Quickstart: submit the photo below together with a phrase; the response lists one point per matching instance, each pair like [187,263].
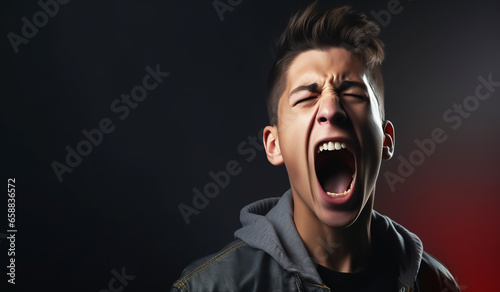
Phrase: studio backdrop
[131,134]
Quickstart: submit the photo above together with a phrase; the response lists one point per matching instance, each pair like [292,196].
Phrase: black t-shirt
[380,275]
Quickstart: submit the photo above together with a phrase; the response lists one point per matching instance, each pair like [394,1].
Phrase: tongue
[338,179]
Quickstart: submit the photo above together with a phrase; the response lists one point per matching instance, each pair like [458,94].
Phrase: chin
[342,214]
[338,219]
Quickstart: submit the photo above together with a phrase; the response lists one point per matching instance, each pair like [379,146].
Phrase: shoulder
[237,266]
[434,276]
[206,269]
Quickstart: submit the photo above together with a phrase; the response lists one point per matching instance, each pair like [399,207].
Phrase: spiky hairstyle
[313,29]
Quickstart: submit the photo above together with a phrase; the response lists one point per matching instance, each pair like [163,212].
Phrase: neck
[342,249]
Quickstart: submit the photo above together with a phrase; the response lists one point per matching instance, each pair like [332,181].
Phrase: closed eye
[356,95]
[305,100]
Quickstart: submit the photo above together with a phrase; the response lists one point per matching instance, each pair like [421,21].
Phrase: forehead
[335,63]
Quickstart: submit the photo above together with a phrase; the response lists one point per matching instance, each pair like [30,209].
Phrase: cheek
[294,129]
[368,128]
[294,138]
[366,121]
[358,115]
[372,149]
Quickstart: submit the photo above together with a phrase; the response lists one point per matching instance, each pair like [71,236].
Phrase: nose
[331,111]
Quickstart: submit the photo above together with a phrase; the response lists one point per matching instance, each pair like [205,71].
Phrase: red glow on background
[452,203]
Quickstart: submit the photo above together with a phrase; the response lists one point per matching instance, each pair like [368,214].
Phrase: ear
[271,143]
[388,148]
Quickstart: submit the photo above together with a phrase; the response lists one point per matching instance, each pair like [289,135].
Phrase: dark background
[119,207]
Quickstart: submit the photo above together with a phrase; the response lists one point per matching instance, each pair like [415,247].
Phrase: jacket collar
[268,225]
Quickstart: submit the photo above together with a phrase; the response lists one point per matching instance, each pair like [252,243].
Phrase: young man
[325,102]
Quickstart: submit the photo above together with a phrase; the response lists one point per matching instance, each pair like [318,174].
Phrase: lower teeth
[338,195]
[341,195]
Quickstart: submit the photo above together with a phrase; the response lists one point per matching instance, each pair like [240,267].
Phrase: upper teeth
[330,146]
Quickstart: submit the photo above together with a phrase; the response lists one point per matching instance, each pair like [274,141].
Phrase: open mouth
[335,168]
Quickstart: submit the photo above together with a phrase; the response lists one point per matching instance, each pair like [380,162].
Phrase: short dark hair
[313,29]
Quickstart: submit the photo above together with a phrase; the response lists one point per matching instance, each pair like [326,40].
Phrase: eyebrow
[348,84]
[313,87]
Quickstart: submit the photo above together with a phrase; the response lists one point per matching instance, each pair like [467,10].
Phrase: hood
[268,225]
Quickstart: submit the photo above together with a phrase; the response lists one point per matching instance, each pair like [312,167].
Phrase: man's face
[330,134]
